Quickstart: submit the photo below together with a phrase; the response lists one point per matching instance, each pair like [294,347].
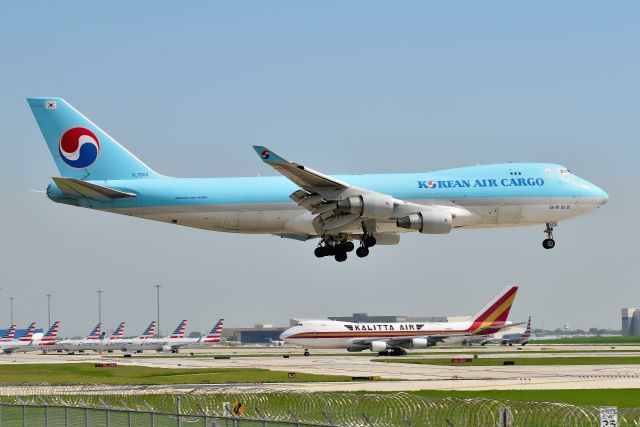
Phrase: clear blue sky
[343,87]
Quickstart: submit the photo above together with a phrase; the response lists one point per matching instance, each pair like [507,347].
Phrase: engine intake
[421,343]
[378,346]
[427,222]
[368,205]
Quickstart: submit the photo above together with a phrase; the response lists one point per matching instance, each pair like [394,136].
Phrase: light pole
[11,299]
[49,309]
[158,300]
[100,291]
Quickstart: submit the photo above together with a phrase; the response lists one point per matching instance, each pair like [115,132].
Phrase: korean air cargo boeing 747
[98,173]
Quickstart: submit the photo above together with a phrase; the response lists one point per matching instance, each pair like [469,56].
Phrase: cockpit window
[564,171]
[298,324]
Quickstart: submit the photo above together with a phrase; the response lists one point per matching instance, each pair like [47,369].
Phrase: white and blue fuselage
[510,194]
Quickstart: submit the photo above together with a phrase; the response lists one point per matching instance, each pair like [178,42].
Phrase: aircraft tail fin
[215,333]
[52,333]
[179,331]
[29,333]
[118,332]
[527,332]
[80,148]
[150,331]
[496,312]
[95,333]
[10,333]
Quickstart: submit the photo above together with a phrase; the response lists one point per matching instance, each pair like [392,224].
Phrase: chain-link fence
[220,407]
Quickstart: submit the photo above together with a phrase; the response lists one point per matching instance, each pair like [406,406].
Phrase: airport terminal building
[631,322]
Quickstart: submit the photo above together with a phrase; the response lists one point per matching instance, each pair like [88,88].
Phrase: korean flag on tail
[50,105]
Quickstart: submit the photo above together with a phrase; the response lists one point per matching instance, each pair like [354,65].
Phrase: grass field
[87,373]
[624,398]
[589,340]
[523,361]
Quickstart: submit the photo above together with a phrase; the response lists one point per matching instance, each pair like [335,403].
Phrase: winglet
[267,155]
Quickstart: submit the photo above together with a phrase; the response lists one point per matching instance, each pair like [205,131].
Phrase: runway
[393,376]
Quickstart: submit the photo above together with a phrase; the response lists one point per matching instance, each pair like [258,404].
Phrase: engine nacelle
[427,222]
[378,346]
[368,205]
[166,349]
[420,343]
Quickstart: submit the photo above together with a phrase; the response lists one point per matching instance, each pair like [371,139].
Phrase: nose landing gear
[549,243]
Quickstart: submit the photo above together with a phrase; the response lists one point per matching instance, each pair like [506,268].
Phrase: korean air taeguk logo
[79,147]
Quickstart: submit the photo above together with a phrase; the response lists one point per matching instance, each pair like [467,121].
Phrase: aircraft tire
[362,251]
[369,241]
[347,246]
[548,243]
[319,252]
[340,256]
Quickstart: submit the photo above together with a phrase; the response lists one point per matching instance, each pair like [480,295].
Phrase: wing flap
[79,188]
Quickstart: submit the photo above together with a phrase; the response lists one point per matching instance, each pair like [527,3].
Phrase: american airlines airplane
[512,338]
[96,341]
[172,343]
[9,334]
[396,337]
[9,346]
[38,342]
[31,341]
[91,342]
[98,173]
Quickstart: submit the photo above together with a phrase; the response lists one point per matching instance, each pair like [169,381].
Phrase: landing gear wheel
[548,243]
[347,246]
[340,256]
[306,352]
[369,241]
[362,251]
[319,252]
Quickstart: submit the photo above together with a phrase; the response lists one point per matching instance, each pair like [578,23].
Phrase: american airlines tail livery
[98,173]
[396,337]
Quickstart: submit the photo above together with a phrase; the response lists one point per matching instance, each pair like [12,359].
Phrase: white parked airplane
[172,343]
[396,337]
[33,341]
[512,338]
[9,334]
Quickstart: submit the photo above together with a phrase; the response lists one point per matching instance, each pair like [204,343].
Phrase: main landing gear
[306,352]
[337,250]
[549,243]
[340,249]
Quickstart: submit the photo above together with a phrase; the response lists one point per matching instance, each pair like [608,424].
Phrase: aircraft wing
[338,206]
[301,175]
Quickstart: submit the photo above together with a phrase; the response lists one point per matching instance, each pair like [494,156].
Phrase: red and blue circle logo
[265,154]
[79,147]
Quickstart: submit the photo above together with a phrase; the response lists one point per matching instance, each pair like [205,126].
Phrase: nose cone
[285,335]
[592,191]
[600,194]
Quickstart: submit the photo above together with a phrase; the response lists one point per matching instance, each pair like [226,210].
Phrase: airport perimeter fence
[223,408]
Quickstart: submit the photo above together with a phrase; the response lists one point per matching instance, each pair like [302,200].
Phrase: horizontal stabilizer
[79,188]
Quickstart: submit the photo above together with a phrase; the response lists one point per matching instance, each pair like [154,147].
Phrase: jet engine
[378,346]
[427,222]
[368,205]
[420,343]
[166,349]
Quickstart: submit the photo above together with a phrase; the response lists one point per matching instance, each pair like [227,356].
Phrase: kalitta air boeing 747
[396,337]
[98,173]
